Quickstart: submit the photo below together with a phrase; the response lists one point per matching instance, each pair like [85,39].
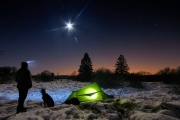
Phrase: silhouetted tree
[105,78]
[85,69]
[169,71]
[73,75]
[178,70]
[37,77]
[165,71]
[7,74]
[47,76]
[143,73]
[121,66]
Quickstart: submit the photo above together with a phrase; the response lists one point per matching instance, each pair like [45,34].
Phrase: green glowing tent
[88,93]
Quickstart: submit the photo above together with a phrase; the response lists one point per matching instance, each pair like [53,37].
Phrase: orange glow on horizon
[132,70]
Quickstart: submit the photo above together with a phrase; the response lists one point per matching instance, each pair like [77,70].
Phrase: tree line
[103,76]
[108,78]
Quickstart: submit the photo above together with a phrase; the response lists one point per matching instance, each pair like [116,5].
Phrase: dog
[48,101]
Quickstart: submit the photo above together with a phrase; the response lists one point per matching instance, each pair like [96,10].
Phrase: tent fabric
[89,93]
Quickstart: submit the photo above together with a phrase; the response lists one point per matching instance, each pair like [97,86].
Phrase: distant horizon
[130,71]
[69,72]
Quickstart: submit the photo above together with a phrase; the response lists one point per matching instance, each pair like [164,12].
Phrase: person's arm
[28,76]
[28,79]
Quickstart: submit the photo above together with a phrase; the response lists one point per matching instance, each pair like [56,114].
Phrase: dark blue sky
[146,32]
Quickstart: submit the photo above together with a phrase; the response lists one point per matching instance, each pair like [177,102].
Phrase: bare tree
[164,71]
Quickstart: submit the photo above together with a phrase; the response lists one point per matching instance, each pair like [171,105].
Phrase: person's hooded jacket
[23,78]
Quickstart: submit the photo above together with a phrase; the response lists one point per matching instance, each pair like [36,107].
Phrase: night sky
[146,32]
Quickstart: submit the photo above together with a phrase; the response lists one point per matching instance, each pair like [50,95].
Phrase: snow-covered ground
[148,103]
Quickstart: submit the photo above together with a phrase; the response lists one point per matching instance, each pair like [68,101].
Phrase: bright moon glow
[69,26]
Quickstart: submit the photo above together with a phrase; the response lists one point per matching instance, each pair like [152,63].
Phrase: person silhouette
[24,83]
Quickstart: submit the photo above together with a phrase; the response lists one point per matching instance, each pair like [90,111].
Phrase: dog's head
[43,90]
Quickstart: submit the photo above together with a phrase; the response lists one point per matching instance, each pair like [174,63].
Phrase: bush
[45,76]
[37,77]
[176,89]
[7,74]
[126,104]
[105,78]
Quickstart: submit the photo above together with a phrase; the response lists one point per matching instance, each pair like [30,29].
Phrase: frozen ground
[148,100]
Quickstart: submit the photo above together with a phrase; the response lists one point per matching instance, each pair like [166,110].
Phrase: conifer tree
[85,69]
[121,66]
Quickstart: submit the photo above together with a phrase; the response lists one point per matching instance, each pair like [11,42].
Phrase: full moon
[69,26]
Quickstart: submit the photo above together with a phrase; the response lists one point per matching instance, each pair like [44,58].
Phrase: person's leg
[20,101]
[22,97]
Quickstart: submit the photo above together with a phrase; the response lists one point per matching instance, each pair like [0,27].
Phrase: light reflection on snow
[59,96]
[60,91]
